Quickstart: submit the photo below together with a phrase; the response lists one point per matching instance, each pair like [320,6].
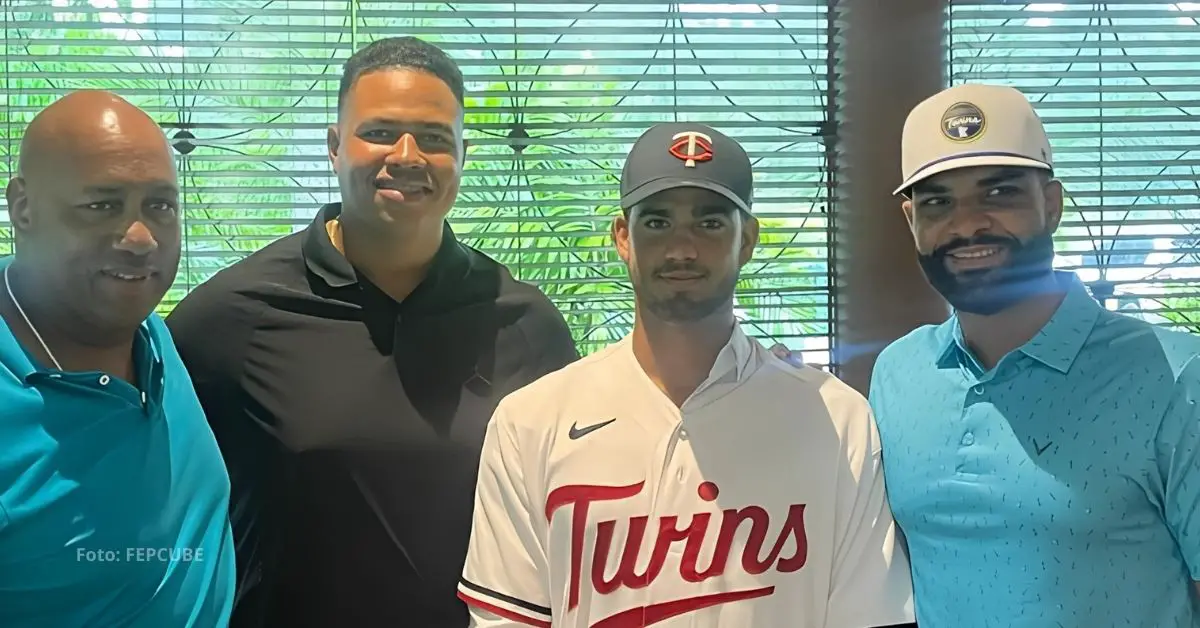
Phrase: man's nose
[967,222]
[137,239]
[682,247]
[406,153]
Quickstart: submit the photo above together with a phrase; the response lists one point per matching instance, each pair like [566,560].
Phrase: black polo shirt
[351,424]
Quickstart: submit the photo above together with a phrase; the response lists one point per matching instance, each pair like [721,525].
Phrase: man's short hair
[401,52]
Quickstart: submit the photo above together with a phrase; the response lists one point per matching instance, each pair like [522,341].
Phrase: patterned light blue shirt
[1060,488]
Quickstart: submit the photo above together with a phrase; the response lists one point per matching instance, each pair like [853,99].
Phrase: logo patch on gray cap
[963,122]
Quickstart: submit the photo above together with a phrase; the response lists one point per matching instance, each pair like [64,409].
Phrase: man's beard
[684,307]
[1028,271]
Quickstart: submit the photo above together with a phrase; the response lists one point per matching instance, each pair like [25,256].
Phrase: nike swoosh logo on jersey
[1041,450]
[579,432]
[642,616]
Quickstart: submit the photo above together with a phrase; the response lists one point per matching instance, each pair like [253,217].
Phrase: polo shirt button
[104,380]
[968,439]
[978,390]
[683,435]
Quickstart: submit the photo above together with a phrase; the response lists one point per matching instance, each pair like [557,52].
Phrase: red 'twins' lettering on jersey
[668,533]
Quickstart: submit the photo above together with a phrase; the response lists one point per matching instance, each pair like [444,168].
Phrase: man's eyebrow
[157,187]
[930,188]
[409,124]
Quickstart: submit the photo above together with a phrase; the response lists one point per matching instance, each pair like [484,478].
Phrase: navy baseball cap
[687,155]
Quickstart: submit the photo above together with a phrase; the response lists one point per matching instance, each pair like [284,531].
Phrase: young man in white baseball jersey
[684,476]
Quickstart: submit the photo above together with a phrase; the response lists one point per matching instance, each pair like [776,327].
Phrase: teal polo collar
[1056,345]
[17,361]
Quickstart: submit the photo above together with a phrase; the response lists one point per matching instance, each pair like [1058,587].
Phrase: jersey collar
[734,362]
[735,357]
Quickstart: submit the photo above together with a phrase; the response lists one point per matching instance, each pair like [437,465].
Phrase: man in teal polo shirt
[113,497]
[1042,454]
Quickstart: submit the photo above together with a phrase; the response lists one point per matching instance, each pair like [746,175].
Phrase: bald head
[95,208]
[83,118]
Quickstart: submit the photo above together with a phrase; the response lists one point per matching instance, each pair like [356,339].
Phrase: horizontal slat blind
[558,91]
[1118,86]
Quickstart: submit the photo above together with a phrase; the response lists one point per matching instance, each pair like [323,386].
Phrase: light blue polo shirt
[1059,489]
[113,500]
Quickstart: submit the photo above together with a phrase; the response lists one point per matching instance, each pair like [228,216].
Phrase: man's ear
[907,208]
[333,143]
[750,233]
[620,236]
[1054,204]
[19,214]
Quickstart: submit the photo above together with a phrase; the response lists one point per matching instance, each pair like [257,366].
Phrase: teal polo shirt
[114,500]
[1059,489]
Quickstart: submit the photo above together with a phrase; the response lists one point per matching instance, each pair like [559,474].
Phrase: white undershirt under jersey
[758,504]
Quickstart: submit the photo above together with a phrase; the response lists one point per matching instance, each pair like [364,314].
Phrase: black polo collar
[451,263]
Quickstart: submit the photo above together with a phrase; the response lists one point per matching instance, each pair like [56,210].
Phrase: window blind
[1118,87]
[557,92]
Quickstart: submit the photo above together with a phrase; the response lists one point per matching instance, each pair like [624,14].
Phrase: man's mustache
[980,240]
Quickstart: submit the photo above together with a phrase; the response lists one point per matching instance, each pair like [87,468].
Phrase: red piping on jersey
[503,612]
[643,616]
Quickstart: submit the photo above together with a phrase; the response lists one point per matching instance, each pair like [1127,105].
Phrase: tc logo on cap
[963,122]
[691,146]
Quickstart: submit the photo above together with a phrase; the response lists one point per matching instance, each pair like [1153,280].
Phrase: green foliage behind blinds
[558,91]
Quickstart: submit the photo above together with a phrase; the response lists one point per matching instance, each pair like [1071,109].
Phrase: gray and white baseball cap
[687,154]
[972,125]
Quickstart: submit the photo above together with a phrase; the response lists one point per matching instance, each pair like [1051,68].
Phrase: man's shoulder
[1179,349]
[1157,350]
[920,346]
[216,318]
[574,383]
[524,295]
[230,290]
[808,394]
[524,307]
[511,293]
[279,262]
[833,392]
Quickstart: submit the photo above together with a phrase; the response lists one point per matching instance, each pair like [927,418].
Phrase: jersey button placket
[680,476]
[681,442]
[666,478]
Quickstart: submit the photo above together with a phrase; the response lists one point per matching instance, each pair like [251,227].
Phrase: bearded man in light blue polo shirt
[114,501]
[1042,454]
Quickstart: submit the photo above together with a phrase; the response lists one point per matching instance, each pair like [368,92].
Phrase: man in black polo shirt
[349,370]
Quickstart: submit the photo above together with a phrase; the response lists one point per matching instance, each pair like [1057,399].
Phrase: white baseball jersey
[760,503]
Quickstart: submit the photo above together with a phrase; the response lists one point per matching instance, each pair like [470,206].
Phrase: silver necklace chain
[12,297]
